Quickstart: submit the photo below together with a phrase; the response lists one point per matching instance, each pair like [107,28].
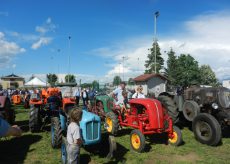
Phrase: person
[138,93]
[125,105]
[117,93]
[7,130]
[73,137]
[77,96]
[85,97]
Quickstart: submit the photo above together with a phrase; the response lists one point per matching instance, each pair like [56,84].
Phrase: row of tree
[182,70]
[53,78]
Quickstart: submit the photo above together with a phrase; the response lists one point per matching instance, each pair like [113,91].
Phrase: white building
[226,83]
[152,83]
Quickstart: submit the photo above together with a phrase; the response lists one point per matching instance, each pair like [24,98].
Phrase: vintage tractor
[90,127]
[100,105]
[41,106]
[5,109]
[147,117]
[207,108]
[16,99]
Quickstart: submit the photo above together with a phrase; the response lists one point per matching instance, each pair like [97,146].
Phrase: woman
[138,93]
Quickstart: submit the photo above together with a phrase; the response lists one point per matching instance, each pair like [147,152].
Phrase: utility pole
[155,39]
[69,60]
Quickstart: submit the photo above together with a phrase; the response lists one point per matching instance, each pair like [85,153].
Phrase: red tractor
[147,117]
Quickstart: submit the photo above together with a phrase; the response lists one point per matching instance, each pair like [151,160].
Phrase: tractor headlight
[215,106]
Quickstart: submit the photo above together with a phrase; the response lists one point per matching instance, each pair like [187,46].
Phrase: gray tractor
[207,108]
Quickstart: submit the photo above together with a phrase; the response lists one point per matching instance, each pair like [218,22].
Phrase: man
[7,130]
[77,96]
[117,93]
[85,97]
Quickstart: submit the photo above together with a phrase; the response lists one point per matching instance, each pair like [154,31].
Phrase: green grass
[35,148]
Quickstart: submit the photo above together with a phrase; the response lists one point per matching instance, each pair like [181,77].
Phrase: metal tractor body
[101,104]
[16,99]
[146,116]
[5,109]
[207,108]
[90,127]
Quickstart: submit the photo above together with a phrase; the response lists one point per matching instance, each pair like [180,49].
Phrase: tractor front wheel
[176,139]
[207,129]
[111,123]
[35,120]
[56,132]
[64,151]
[137,141]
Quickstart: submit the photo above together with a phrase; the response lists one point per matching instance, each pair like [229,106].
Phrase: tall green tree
[171,70]
[51,79]
[150,62]
[130,81]
[95,85]
[188,71]
[116,80]
[208,77]
[70,78]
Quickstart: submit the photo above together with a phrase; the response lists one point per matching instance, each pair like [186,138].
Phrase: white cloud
[48,26]
[8,50]
[206,37]
[42,41]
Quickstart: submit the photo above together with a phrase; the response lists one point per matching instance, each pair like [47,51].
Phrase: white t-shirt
[73,133]
[118,93]
[138,95]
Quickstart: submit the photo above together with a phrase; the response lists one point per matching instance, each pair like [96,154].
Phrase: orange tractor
[16,99]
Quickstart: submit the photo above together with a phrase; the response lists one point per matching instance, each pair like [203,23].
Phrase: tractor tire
[190,110]
[56,132]
[207,129]
[10,113]
[170,106]
[64,155]
[111,122]
[177,137]
[35,120]
[137,141]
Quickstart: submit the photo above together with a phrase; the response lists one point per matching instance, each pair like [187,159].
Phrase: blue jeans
[73,152]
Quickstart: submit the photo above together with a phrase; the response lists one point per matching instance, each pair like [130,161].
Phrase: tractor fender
[166,94]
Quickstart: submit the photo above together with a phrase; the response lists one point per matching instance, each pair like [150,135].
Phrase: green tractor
[101,104]
[207,108]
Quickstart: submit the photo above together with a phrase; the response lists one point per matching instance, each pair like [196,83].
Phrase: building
[12,81]
[153,84]
[226,83]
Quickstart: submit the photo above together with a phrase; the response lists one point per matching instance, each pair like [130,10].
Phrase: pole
[69,60]
[123,68]
[155,45]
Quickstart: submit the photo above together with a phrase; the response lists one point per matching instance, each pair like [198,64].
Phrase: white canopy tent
[35,82]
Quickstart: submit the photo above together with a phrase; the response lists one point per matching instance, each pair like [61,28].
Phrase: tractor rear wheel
[207,129]
[111,122]
[56,132]
[170,106]
[35,120]
[177,137]
[137,141]
[64,151]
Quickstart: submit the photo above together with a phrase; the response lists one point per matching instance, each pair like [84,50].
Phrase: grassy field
[35,148]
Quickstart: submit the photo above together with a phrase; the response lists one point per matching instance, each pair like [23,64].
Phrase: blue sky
[102,31]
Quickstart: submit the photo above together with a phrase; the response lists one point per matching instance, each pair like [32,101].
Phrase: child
[125,104]
[74,137]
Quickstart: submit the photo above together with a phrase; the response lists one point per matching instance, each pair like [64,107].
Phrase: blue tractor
[90,127]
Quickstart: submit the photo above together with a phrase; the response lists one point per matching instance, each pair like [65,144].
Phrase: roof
[12,76]
[35,81]
[146,77]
